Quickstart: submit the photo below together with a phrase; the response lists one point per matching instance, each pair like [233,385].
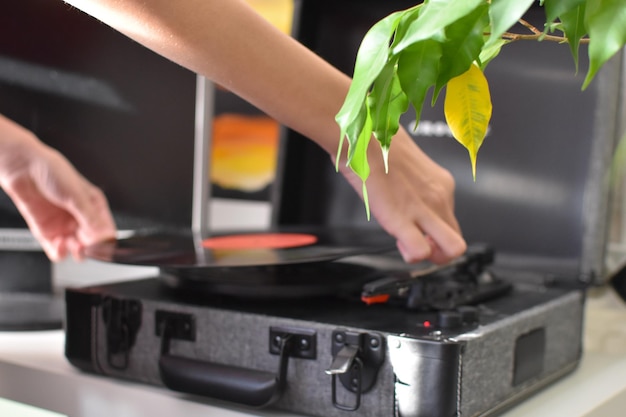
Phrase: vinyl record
[284,246]
[302,280]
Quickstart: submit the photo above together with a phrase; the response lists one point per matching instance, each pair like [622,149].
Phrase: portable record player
[433,349]
[323,318]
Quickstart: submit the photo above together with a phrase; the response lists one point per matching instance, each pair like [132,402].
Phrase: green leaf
[352,132]
[433,18]
[464,41]
[386,103]
[573,24]
[371,59]
[606,23]
[467,108]
[366,200]
[418,69]
[570,15]
[504,14]
[408,17]
[490,52]
[556,8]
[358,162]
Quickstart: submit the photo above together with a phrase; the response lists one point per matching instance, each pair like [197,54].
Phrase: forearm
[232,45]
[229,43]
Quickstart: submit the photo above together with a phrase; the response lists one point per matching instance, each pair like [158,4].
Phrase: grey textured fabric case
[470,370]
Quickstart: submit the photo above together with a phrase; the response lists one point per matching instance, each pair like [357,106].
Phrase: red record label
[260,241]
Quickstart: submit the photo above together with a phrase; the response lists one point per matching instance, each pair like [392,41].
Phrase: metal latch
[122,319]
[357,357]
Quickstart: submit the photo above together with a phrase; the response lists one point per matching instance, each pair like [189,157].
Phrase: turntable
[322,317]
[362,334]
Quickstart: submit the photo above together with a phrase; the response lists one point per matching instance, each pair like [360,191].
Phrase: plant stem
[537,35]
[530,27]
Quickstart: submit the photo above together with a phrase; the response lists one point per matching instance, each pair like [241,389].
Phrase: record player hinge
[303,344]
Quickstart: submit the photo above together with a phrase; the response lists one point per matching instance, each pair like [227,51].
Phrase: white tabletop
[33,370]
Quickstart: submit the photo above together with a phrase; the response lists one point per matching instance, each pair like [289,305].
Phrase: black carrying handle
[229,383]
[224,382]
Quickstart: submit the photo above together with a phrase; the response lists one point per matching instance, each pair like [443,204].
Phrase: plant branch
[537,35]
[530,27]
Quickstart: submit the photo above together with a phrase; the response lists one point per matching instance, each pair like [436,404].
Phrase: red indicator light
[426,323]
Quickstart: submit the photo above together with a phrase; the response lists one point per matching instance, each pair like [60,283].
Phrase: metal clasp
[357,357]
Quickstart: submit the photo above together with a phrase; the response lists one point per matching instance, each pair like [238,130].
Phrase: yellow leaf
[467,108]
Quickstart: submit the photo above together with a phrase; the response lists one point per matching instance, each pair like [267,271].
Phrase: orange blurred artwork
[245,148]
[244,152]
[277,12]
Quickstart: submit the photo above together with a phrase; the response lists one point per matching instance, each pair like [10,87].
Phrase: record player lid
[540,196]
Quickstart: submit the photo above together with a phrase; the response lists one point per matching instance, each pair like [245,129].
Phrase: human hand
[414,202]
[63,210]
[291,83]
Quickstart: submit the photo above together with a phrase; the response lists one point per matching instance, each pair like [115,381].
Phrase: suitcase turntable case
[384,360]
[540,200]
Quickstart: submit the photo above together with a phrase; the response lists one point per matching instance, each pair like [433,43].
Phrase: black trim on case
[81,308]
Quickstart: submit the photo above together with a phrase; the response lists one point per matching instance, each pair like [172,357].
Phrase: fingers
[433,240]
[75,248]
[91,222]
[63,210]
[412,252]
[60,247]
[90,219]
[444,237]
[414,202]
[431,234]
[53,249]
[93,215]
[425,228]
